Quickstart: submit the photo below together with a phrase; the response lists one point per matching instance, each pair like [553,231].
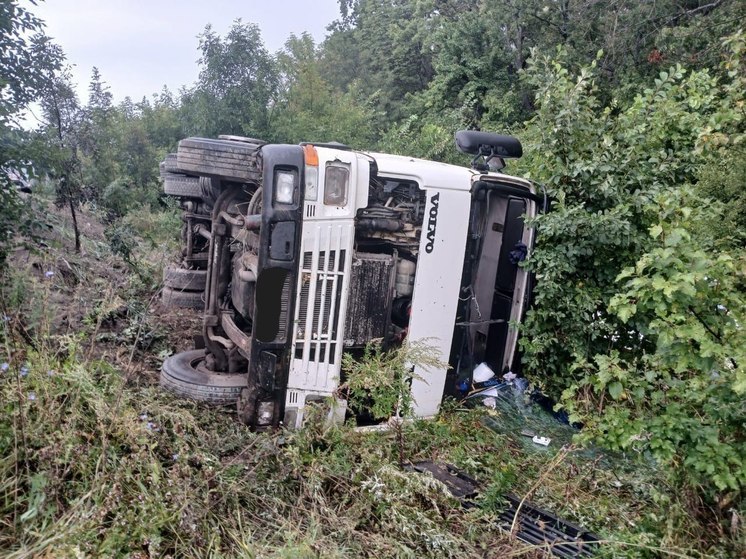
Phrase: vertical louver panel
[321,301]
[284,306]
[318,316]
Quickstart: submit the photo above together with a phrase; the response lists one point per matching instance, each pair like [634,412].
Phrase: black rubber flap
[458,483]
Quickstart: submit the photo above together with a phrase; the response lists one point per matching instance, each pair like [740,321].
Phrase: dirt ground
[98,298]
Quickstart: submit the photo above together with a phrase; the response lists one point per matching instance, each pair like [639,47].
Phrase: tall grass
[96,461]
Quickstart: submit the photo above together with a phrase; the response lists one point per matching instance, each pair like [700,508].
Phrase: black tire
[184,374]
[210,190]
[227,159]
[241,139]
[169,164]
[183,299]
[182,186]
[181,278]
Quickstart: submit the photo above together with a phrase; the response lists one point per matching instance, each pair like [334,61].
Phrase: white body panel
[438,275]
[436,292]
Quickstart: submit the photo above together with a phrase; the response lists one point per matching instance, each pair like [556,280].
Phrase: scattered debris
[527,522]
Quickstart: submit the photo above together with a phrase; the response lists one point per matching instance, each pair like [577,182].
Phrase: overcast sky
[140,45]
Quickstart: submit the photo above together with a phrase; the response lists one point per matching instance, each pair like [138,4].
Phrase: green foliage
[379,381]
[310,109]
[639,314]
[683,400]
[723,178]
[384,49]
[638,322]
[97,135]
[15,216]
[115,466]
[122,241]
[25,60]
[159,225]
[428,138]
[603,167]
[237,84]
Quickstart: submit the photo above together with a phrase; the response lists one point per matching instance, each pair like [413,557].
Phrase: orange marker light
[311,155]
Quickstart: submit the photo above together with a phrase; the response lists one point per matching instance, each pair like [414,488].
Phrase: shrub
[638,321]
[682,401]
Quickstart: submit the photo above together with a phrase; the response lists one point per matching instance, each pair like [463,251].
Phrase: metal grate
[284,307]
[318,316]
[542,528]
[533,525]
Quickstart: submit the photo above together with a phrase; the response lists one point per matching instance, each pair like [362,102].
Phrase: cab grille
[318,315]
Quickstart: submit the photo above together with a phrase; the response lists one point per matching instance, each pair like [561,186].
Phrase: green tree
[383,49]
[310,109]
[638,321]
[236,87]
[25,61]
[61,129]
[682,400]
[96,137]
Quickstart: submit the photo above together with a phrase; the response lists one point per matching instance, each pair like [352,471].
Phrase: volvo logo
[432,223]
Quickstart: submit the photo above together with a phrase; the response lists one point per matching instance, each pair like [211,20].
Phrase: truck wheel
[241,139]
[182,186]
[210,190]
[184,299]
[181,278]
[169,164]
[227,159]
[185,375]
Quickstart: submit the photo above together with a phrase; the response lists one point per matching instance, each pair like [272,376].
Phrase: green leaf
[625,312]
[616,389]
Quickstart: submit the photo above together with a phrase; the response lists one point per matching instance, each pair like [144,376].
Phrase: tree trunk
[74,215]
[68,168]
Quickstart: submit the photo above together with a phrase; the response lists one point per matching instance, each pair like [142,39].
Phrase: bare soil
[96,294]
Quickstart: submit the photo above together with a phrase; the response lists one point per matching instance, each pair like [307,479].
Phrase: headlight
[335,184]
[284,187]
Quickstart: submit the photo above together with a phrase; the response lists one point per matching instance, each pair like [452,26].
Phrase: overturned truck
[303,252]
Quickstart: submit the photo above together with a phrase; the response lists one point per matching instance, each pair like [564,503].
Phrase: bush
[641,335]
[682,402]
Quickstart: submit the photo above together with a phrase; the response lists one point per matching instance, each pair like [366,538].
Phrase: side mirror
[490,146]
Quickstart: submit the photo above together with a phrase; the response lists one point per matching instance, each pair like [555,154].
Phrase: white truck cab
[329,249]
